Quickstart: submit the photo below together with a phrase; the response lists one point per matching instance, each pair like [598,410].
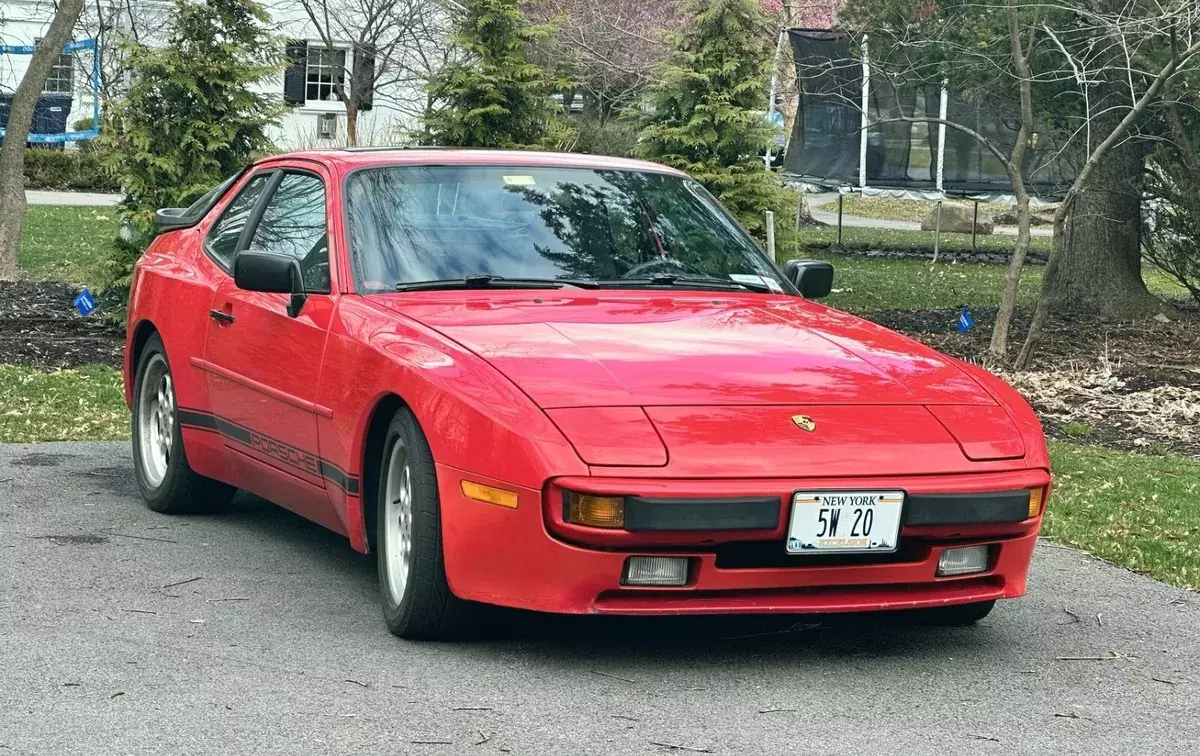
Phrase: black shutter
[293,77]
[362,81]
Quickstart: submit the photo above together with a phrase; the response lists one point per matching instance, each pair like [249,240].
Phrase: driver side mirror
[269,272]
[814,278]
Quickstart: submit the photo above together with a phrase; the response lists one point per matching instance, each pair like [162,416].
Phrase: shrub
[492,95]
[1172,237]
[77,170]
[611,137]
[706,111]
[192,117]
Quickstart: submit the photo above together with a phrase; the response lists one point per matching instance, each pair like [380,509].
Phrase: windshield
[412,224]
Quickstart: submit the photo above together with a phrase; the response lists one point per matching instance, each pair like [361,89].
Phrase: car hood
[580,349]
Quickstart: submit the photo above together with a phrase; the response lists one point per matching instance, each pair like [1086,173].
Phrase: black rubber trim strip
[280,451]
[745,513]
[966,509]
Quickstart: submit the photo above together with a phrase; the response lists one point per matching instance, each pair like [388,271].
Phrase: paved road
[830,218]
[40,197]
[279,648]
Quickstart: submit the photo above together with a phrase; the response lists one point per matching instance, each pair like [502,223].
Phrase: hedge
[77,170]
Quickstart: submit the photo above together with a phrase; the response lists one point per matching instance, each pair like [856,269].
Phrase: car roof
[357,157]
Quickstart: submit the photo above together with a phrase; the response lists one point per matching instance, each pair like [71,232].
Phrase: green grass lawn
[872,283]
[1140,511]
[857,238]
[61,243]
[84,404]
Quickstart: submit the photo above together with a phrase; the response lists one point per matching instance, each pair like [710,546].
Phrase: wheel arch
[373,439]
[142,333]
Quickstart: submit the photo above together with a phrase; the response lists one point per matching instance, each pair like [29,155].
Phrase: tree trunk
[1016,160]
[12,154]
[1100,268]
[351,124]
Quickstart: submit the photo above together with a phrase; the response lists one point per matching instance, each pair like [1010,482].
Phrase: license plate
[844,521]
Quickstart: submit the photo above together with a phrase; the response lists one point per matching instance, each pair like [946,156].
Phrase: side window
[223,238]
[293,224]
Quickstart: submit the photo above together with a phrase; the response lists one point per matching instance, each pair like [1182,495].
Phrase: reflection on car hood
[571,349]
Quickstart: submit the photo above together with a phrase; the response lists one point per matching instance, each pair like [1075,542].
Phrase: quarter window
[223,239]
[293,224]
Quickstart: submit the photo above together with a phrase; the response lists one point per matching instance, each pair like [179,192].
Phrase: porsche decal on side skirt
[283,453]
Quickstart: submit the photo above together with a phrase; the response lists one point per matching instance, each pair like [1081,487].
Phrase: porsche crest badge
[804,422]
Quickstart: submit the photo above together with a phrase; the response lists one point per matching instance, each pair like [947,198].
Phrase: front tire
[166,481]
[417,601]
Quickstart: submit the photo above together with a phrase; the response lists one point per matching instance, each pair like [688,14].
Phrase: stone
[956,219]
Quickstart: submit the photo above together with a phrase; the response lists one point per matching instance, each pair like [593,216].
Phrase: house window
[62,75]
[325,67]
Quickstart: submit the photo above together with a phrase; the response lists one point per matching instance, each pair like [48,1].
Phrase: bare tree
[992,62]
[112,22]
[1154,45]
[608,47]
[388,50]
[12,153]
[1063,60]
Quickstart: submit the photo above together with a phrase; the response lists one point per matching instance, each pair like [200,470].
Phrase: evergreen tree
[706,111]
[492,95]
[191,117]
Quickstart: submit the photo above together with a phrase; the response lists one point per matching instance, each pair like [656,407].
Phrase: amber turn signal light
[596,511]
[489,495]
[1035,501]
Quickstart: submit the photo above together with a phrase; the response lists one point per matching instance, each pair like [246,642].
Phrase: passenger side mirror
[814,278]
[170,218]
[269,272]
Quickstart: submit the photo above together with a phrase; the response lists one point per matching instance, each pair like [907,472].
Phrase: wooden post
[974,223]
[840,197]
[771,235]
[937,231]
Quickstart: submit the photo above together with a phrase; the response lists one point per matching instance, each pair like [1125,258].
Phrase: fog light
[963,561]
[648,570]
[597,511]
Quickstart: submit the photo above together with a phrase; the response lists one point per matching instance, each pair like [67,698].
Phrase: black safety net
[901,154]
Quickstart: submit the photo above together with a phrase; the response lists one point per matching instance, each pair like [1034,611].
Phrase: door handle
[221,315]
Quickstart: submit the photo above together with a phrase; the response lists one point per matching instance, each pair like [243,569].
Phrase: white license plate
[844,521]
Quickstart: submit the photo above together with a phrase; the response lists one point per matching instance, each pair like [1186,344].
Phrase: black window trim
[244,243]
[260,207]
[251,221]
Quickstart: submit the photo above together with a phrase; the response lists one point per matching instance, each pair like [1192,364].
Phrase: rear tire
[417,601]
[166,481]
[959,615]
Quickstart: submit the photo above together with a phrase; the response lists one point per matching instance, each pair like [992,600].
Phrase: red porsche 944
[566,384]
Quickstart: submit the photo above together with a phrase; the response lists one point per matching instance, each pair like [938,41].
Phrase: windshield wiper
[702,282]
[488,281]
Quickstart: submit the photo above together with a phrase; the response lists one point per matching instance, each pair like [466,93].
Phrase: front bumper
[510,557]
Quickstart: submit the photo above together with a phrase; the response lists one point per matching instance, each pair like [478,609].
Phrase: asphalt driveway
[123,631]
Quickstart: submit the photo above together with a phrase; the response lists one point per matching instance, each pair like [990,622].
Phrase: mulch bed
[40,328]
[1125,385]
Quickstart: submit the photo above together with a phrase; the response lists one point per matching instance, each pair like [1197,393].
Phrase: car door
[263,366]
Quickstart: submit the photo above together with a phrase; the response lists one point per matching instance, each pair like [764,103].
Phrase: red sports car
[566,384]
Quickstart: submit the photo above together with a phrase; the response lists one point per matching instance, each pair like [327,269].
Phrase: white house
[391,106]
